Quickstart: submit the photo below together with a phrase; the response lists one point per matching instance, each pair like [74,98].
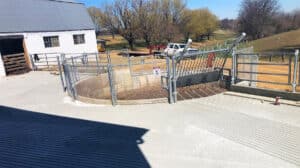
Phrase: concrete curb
[262,98]
[121,102]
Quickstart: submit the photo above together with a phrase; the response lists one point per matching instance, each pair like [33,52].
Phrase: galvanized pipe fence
[192,68]
[119,76]
[174,72]
[275,68]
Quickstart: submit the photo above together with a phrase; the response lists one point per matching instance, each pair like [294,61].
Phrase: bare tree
[228,24]
[123,19]
[95,14]
[108,21]
[171,13]
[148,19]
[287,21]
[256,17]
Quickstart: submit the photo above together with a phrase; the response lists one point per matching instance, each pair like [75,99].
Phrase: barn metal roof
[43,16]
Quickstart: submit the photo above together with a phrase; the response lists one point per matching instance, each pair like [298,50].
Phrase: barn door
[12,51]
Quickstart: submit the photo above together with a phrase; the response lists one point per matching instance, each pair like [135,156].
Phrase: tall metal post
[71,89]
[111,81]
[46,56]
[129,62]
[60,73]
[233,71]
[97,63]
[174,79]
[295,71]
[290,70]
[169,82]
[72,60]
[251,70]
[298,72]
[32,62]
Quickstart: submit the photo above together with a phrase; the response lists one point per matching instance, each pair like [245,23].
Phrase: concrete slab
[217,131]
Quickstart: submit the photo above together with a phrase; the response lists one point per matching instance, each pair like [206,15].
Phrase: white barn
[42,26]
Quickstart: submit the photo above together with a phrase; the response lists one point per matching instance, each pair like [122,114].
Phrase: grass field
[288,40]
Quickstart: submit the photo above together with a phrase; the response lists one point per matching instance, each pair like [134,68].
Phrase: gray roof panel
[43,16]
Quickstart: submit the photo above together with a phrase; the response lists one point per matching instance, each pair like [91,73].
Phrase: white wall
[2,68]
[35,42]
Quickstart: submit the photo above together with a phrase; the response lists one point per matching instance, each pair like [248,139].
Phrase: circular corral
[130,89]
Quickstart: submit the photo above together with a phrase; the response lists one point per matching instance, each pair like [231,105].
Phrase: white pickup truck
[176,48]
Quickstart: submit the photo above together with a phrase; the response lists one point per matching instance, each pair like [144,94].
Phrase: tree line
[154,21]
[261,18]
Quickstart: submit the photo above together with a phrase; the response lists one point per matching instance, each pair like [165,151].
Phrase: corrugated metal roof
[43,16]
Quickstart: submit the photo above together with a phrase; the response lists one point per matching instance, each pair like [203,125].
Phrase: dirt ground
[142,87]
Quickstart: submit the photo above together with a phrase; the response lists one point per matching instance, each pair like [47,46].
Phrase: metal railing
[281,65]
[81,67]
[98,77]
[48,61]
[191,68]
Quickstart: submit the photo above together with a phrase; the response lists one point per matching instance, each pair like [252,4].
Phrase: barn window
[51,41]
[78,39]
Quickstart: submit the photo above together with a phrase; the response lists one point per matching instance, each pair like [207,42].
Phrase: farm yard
[219,39]
[237,132]
[149,83]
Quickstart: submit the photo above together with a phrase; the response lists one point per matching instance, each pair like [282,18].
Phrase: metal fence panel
[275,68]
[247,68]
[100,78]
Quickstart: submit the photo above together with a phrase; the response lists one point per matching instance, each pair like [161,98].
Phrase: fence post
[295,70]
[111,81]
[74,70]
[60,73]
[32,63]
[129,62]
[70,87]
[233,67]
[46,56]
[97,63]
[290,70]
[251,70]
[169,82]
[299,72]
[174,80]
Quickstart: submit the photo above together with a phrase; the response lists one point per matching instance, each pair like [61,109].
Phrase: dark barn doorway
[12,52]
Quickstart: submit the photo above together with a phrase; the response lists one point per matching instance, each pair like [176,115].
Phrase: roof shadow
[35,140]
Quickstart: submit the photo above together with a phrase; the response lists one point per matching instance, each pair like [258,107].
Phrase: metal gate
[270,69]
[191,68]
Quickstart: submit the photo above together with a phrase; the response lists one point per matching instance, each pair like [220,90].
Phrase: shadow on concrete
[30,139]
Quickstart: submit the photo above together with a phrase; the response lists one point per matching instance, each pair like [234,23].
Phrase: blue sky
[222,8]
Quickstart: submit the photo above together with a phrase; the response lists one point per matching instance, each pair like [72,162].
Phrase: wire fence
[117,76]
[187,69]
[95,76]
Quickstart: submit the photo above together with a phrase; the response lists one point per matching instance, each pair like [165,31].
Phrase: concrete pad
[217,131]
